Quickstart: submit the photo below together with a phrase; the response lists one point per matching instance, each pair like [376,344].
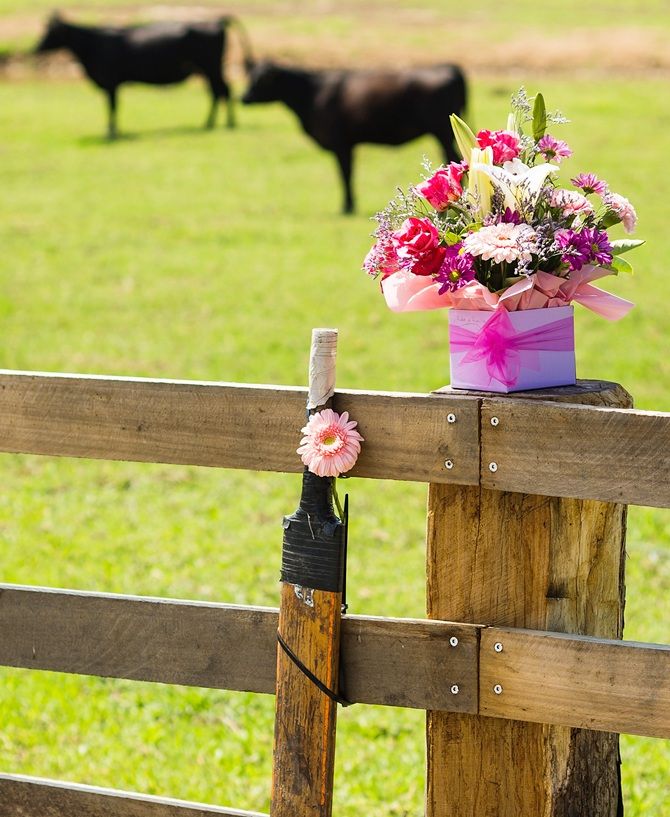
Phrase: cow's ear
[249,64]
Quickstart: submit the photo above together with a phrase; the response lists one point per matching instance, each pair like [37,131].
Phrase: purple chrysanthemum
[553,149]
[590,183]
[584,247]
[457,270]
[508,216]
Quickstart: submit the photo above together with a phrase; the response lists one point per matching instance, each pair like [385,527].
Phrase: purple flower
[590,183]
[601,249]
[506,217]
[584,247]
[457,269]
[553,149]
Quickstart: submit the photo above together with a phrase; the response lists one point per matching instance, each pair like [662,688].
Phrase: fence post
[536,562]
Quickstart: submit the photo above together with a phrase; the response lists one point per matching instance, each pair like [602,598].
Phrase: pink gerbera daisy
[553,149]
[331,445]
[590,183]
[502,242]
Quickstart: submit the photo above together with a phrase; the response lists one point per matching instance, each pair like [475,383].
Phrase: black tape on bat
[313,553]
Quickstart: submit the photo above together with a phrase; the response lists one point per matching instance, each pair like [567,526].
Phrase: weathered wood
[22,796]
[395,662]
[303,760]
[521,560]
[601,453]
[228,425]
[576,681]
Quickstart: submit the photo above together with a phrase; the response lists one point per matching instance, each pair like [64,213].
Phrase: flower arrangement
[496,232]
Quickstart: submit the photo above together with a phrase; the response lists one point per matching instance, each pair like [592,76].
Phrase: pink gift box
[505,351]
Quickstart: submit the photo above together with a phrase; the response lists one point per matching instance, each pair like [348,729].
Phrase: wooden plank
[395,662]
[522,560]
[407,436]
[617,686]
[22,796]
[611,454]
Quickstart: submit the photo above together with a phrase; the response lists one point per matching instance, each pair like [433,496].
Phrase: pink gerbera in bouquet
[498,233]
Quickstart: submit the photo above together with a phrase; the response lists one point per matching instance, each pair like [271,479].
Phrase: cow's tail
[245,42]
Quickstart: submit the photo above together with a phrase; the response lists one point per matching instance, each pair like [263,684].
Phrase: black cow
[340,109]
[155,53]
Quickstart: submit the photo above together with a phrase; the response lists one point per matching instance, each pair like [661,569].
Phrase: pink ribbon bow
[499,345]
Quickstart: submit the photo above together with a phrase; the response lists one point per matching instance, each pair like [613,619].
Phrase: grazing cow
[155,53]
[340,109]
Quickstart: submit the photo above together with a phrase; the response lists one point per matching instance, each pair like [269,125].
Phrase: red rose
[416,237]
[430,263]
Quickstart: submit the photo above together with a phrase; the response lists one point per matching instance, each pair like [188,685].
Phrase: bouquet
[497,230]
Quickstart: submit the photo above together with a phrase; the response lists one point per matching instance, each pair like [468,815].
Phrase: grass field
[179,253]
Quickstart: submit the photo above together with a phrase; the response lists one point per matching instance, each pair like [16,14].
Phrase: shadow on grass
[156,133]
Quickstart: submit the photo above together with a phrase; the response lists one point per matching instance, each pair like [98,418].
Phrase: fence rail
[546,677]
[35,797]
[565,449]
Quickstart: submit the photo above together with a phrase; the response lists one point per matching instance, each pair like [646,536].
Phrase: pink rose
[443,187]
[505,144]
[416,237]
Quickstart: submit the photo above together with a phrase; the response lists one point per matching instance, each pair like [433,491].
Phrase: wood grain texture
[601,453]
[407,436]
[303,757]
[522,560]
[22,796]
[395,662]
[576,681]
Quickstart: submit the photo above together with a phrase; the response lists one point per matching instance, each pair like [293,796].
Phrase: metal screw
[498,647]
[451,418]
[453,641]
[448,464]
[493,467]
[494,421]
[454,689]
[497,689]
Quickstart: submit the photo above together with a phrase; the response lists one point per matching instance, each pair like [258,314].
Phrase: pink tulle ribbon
[498,345]
[405,292]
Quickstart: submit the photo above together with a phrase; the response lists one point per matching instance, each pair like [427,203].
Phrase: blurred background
[179,252]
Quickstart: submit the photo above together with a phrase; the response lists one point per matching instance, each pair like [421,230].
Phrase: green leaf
[465,138]
[621,265]
[451,238]
[622,245]
[539,117]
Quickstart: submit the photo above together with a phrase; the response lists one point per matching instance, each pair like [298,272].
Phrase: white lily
[520,184]
[481,162]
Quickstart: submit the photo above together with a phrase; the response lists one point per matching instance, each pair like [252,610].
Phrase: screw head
[448,464]
[453,641]
[497,689]
[454,689]
[494,421]
[451,418]
[498,647]
[493,467]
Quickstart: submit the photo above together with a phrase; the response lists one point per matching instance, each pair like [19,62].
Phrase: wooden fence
[500,444]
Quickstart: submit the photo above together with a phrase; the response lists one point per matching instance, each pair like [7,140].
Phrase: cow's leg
[111,99]
[446,139]
[220,90]
[345,160]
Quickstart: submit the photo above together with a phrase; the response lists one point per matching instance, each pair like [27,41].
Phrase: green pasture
[211,255]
